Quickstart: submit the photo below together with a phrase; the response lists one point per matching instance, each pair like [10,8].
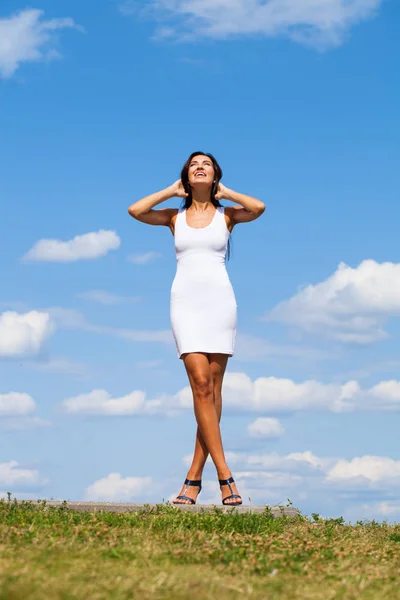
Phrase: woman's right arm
[142,210]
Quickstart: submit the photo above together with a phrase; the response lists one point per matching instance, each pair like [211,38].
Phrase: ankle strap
[226,481]
[192,482]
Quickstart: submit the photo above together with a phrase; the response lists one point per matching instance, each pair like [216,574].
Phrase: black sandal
[188,483]
[224,501]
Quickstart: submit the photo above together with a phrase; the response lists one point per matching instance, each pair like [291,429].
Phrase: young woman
[203,305]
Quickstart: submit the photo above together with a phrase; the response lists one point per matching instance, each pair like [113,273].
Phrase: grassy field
[53,554]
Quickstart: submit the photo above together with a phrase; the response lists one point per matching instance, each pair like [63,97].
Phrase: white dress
[203,304]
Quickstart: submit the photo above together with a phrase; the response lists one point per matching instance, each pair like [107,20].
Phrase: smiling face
[201,172]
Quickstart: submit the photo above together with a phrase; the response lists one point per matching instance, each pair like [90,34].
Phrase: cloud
[351,306]
[388,392]
[16,412]
[107,298]
[144,259]
[82,247]
[100,402]
[241,394]
[271,394]
[16,404]
[115,488]
[319,24]
[265,428]
[13,476]
[23,334]
[27,37]
[366,471]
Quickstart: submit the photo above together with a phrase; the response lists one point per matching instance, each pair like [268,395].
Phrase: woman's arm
[142,210]
[250,208]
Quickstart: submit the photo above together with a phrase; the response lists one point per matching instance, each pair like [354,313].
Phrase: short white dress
[203,304]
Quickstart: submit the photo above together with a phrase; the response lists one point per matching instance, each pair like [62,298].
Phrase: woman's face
[201,172]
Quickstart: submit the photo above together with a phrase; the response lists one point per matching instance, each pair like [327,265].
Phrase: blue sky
[101,103]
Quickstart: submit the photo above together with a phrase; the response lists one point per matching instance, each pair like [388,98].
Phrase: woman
[203,305]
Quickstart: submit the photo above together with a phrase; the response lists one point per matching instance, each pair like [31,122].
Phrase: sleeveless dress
[203,304]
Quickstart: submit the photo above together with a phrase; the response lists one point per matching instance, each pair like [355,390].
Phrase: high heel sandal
[228,482]
[189,483]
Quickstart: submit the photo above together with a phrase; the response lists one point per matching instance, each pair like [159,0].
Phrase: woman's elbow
[133,211]
[260,208]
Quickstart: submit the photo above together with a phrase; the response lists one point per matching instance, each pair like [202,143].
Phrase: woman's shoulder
[174,212]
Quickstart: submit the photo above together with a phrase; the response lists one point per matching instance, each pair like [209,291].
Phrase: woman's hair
[217,178]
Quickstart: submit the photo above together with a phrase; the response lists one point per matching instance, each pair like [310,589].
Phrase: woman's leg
[206,373]
[217,364]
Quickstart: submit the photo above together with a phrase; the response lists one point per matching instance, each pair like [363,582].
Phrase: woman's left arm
[249,209]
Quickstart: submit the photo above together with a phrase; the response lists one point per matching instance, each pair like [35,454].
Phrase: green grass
[56,554]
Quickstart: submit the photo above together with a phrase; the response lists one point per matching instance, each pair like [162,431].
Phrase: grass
[55,554]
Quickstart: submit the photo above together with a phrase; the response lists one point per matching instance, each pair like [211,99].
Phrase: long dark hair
[217,178]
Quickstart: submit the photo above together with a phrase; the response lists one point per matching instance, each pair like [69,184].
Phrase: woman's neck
[201,199]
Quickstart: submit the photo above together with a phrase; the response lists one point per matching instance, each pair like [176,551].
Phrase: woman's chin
[200,185]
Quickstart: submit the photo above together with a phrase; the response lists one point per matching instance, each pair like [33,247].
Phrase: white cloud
[265,428]
[16,404]
[23,334]
[115,488]
[16,412]
[12,475]
[27,37]
[99,402]
[144,259]
[82,247]
[351,306]
[366,471]
[270,394]
[107,298]
[241,394]
[387,391]
[320,24]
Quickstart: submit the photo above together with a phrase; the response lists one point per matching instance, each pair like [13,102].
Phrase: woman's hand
[178,190]
[223,192]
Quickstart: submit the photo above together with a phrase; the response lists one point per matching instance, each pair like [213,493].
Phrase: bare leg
[217,364]
[206,373]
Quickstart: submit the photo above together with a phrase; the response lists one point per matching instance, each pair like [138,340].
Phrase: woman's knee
[202,386]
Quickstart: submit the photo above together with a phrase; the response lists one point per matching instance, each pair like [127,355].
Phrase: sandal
[228,482]
[189,483]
